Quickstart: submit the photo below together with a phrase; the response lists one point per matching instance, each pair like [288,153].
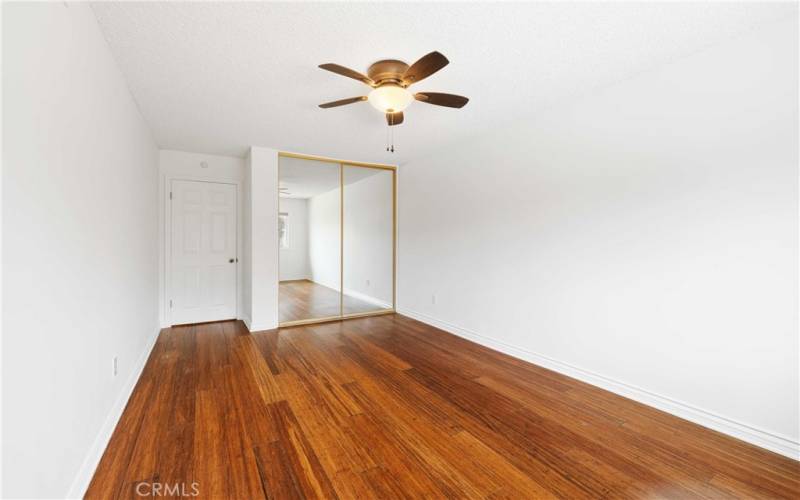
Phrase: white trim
[92,460]
[258,328]
[332,286]
[354,294]
[367,298]
[759,437]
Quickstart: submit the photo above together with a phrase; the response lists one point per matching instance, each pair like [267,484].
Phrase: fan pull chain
[390,134]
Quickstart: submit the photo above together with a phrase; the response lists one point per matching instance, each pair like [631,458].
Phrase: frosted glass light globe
[390,98]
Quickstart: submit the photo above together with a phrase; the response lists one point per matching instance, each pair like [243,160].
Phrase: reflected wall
[336,232]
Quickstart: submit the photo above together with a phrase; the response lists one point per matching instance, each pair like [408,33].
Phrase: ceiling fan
[390,79]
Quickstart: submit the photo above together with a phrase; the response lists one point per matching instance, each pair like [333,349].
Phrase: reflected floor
[305,299]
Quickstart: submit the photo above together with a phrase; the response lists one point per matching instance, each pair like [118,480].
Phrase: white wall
[80,251]
[261,239]
[245,256]
[324,236]
[368,227]
[294,260]
[644,238]
[174,165]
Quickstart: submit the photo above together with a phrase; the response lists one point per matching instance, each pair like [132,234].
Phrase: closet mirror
[336,232]
[309,237]
[368,237]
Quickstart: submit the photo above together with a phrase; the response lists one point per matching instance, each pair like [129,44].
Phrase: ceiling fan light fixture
[390,98]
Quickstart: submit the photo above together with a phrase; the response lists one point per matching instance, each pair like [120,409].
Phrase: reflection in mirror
[368,239]
[309,232]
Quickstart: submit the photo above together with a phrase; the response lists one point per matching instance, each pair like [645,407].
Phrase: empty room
[373,250]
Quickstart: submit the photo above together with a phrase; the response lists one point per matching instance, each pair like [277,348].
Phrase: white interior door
[203,256]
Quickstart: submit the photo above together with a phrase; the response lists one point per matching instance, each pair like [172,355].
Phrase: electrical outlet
[114,367]
[433,299]
[367,282]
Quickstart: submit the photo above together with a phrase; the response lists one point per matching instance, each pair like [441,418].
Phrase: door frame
[342,164]
[168,179]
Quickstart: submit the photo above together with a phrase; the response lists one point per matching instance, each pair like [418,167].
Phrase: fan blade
[341,70]
[425,67]
[342,102]
[394,118]
[440,99]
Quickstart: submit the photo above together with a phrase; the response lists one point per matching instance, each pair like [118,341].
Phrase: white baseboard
[332,286]
[251,327]
[90,463]
[367,298]
[246,322]
[356,295]
[759,437]
[294,278]
[261,328]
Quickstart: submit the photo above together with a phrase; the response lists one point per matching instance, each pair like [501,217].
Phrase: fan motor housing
[387,71]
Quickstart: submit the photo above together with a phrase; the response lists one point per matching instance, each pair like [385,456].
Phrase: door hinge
[170,303]
[170,195]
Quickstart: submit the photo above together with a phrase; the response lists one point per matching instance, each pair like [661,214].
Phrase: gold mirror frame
[342,164]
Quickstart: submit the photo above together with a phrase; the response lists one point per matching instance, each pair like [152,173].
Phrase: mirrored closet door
[368,237]
[336,232]
[309,237]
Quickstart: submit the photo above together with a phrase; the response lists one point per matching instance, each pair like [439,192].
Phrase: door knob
[230,261]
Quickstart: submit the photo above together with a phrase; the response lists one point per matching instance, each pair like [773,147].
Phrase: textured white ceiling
[304,178]
[307,178]
[219,77]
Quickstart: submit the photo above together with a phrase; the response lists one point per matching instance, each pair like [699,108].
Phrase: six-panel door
[204,257]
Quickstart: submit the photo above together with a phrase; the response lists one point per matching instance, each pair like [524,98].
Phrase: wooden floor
[304,299]
[387,407]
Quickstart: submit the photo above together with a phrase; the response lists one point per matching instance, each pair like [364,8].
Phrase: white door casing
[203,251]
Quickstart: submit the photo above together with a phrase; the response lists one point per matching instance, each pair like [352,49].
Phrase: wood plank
[388,407]
[304,299]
